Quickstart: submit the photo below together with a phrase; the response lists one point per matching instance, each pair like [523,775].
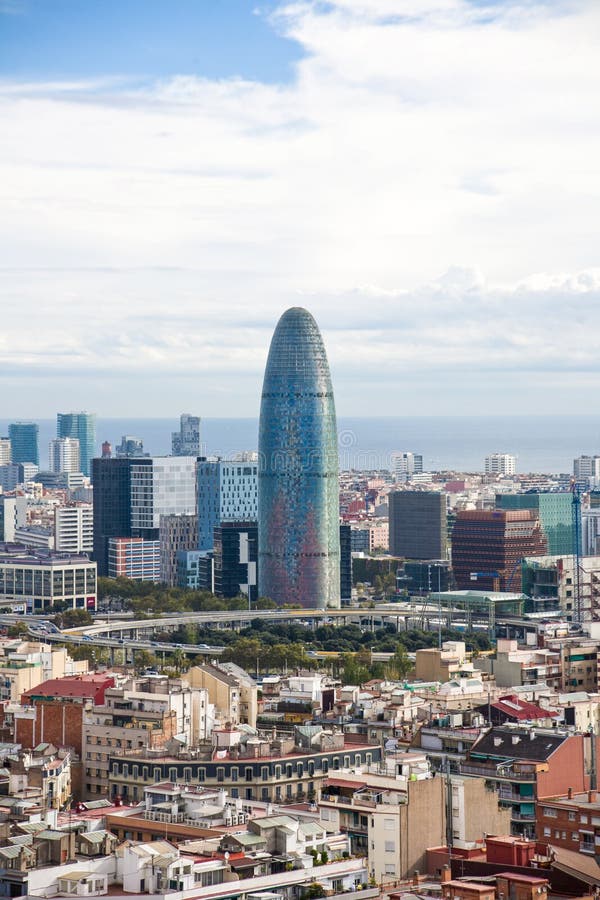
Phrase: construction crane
[576,519]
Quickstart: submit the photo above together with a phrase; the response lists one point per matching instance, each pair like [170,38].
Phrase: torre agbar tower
[298,495]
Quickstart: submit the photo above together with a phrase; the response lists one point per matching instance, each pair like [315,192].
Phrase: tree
[17,629]
[179,660]
[400,662]
[72,618]
[265,603]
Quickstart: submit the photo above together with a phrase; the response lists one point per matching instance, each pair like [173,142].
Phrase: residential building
[590,531]
[74,528]
[555,511]
[227,492]
[586,470]
[13,514]
[177,533]
[186,441]
[144,714]
[34,537]
[224,693]
[417,524]
[298,493]
[236,560]
[130,446]
[528,764]
[41,579]
[512,665]
[23,438]
[488,546]
[570,820]
[406,464]
[553,581]
[276,768]
[5,451]
[500,464]
[63,455]
[82,426]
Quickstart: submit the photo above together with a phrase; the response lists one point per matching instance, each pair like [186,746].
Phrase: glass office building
[83,427]
[298,499]
[24,442]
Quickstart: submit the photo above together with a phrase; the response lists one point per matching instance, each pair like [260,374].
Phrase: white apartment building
[63,455]
[500,464]
[5,451]
[405,464]
[227,491]
[74,528]
[587,468]
[13,515]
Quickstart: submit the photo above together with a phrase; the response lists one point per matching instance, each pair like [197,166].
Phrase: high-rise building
[136,558]
[13,515]
[129,446]
[418,528]
[5,451]
[63,454]
[345,564]
[23,438]
[406,464]
[227,492]
[83,427]
[235,559]
[298,497]
[587,469]
[186,441]
[177,533]
[555,510]
[130,495]
[74,528]
[500,464]
[489,545]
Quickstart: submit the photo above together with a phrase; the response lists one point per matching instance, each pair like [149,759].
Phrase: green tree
[18,628]
[400,662]
[72,618]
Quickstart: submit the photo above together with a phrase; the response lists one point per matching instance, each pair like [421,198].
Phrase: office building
[407,464]
[177,533]
[298,497]
[74,528]
[590,531]
[235,560]
[41,579]
[135,558]
[11,475]
[345,565]
[63,455]
[227,492]
[417,524]
[130,496]
[13,515]
[555,511]
[112,506]
[83,427]
[23,438]
[186,441]
[5,451]
[488,547]
[129,446]
[195,570]
[500,464]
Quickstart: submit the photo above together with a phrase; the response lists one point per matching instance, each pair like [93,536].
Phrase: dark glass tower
[298,499]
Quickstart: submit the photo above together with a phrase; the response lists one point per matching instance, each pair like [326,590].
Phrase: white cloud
[171,223]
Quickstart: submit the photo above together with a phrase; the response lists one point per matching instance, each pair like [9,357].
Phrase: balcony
[348,801]
[517,816]
[494,772]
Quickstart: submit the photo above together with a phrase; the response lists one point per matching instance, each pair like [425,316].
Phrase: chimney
[446,873]
[592,796]
[570,793]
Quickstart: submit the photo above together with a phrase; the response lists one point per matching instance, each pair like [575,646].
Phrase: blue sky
[64,39]
[423,175]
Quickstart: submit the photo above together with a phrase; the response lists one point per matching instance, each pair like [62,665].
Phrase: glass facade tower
[24,442]
[83,427]
[298,497]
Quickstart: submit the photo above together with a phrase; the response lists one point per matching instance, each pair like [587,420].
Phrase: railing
[348,801]
[495,773]
[522,817]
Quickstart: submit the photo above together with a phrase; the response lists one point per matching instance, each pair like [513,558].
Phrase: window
[220,773]
[390,847]
[388,824]
[390,869]
[248,775]
[572,817]
[550,812]
[547,831]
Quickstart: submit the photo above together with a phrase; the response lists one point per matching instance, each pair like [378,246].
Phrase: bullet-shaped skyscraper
[298,499]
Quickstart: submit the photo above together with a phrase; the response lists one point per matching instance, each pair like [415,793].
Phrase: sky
[422,175]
